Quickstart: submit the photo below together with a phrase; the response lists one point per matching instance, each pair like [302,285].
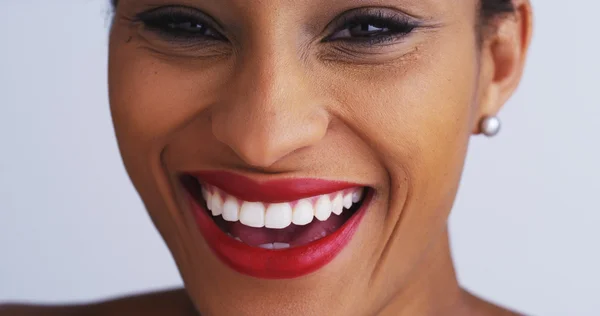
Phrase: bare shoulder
[172,302]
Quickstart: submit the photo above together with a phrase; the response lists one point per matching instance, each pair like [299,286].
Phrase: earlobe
[503,59]
[489,103]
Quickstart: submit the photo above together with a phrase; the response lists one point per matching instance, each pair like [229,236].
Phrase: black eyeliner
[398,25]
[159,19]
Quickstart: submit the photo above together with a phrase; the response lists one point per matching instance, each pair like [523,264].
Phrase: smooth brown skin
[278,103]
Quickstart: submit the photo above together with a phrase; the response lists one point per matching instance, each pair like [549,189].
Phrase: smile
[278,229]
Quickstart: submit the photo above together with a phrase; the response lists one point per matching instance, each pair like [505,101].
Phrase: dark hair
[490,9]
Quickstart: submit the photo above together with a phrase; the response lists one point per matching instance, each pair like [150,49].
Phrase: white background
[524,229]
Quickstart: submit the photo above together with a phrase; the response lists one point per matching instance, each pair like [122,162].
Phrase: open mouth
[282,230]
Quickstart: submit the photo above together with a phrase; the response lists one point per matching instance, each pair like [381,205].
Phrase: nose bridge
[270,111]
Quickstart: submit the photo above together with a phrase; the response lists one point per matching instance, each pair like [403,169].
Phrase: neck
[432,288]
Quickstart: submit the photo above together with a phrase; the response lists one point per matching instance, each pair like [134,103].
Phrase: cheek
[416,116]
[150,98]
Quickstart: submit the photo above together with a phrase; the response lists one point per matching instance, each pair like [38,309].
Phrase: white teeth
[231,210]
[280,245]
[266,246]
[253,214]
[348,201]
[357,195]
[279,216]
[207,198]
[337,205]
[323,208]
[216,204]
[275,245]
[303,213]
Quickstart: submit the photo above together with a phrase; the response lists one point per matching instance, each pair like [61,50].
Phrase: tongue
[293,235]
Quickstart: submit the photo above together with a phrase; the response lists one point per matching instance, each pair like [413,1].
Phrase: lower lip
[276,264]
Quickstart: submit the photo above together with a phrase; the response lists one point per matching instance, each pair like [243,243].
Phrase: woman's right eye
[180,23]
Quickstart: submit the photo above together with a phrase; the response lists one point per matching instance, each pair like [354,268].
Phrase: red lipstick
[268,263]
[273,191]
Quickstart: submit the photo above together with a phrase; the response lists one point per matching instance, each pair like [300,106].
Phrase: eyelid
[342,20]
[192,12]
[394,18]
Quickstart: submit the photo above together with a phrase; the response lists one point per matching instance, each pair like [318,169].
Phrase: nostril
[263,130]
[262,146]
[258,156]
[251,149]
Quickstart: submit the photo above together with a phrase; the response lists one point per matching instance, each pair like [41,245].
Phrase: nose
[270,109]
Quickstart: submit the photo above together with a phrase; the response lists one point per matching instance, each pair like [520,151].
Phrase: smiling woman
[302,157]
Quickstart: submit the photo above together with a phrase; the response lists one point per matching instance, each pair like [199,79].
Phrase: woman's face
[378,94]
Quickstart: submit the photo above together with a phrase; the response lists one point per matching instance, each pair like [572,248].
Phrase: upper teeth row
[279,215]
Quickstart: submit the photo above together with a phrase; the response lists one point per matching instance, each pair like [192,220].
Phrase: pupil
[186,26]
[367,29]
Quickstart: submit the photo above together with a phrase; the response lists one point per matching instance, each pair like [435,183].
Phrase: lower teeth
[275,245]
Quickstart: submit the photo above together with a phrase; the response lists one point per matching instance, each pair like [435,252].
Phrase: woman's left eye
[371,27]
[362,30]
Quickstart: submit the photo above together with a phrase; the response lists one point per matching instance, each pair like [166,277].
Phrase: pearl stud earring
[490,126]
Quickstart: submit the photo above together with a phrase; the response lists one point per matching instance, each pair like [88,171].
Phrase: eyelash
[164,20]
[397,27]
[169,22]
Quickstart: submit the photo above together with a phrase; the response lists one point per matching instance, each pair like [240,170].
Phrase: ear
[503,53]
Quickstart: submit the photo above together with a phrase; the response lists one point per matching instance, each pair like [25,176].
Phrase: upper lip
[270,191]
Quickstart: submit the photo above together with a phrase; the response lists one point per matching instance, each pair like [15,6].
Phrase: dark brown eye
[191,27]
[179,22]
[362,30]
[372,25]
